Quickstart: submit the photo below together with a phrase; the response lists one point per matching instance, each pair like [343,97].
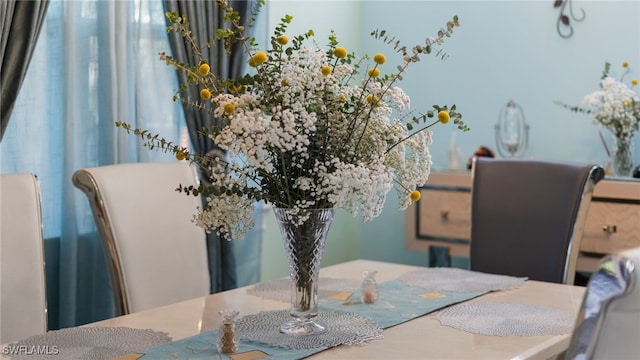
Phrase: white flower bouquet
[615,106]
[307,128]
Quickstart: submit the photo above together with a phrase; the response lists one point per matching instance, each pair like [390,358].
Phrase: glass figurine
[369,287]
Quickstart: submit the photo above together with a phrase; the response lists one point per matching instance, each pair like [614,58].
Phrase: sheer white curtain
[96,62]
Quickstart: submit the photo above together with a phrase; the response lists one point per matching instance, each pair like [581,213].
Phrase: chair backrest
[155,253]
[608,323]
[23,306]
[527,216]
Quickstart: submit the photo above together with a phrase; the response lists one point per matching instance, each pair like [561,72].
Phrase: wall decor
[512,131]
[563,25]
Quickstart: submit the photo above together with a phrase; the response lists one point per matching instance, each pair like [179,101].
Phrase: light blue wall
[503,50]
[511,50]
[506,50]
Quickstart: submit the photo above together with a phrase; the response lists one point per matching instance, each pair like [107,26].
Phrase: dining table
[431,333]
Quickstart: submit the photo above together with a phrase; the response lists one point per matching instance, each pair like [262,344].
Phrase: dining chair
[23,304]
[527,216]
[608,323]
[156,255]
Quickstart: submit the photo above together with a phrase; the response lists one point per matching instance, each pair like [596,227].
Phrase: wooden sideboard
[443,218]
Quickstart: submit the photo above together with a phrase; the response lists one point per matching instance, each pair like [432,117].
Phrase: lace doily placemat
[280,289]
[459,280]
[343,328]
[504,319]
[87,343]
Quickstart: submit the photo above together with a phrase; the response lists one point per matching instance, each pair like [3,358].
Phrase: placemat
[85,343]
[343,328]
[506,319]
[459,280]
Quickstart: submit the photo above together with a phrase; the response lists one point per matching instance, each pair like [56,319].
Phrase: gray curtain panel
[205,18]
[20,22]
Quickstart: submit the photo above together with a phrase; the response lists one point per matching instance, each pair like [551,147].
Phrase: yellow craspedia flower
[379,58]
[229,108]
[284,82]
[374,72]
[372,99]
[204,69]
[415,195]
[180,155]
[634,82]
[343,98]
[282,40]
[443,117]
[340,52]
[258,58]
[205,94]
[626,102]
[625,64]
[326,70]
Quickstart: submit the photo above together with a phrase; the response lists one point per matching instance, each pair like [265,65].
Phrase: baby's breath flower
[614,106]
[379,58]
[283,40]
[204,69]
[443,116]
[341,136]
[374,72]
[340,52]
[205,94]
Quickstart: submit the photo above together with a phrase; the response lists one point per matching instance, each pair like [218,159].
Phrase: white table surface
[421,338]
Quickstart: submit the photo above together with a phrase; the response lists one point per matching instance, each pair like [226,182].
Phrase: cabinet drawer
[442,217]
[445,215]
[611,227]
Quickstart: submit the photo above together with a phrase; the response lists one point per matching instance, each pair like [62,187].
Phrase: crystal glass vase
[622,159]
[304,234]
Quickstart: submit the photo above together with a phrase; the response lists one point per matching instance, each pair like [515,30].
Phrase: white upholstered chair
[155,253]
[23,306]
[527,216]
[608,323]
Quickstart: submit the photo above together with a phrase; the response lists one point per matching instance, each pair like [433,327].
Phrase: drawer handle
[444,214]
[609,229]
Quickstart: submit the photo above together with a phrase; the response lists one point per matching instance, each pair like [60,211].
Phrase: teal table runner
[396,304]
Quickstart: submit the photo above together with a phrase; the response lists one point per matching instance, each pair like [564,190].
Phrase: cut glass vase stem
[304,234]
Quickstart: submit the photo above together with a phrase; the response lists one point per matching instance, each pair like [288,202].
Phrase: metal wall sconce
[512,132]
